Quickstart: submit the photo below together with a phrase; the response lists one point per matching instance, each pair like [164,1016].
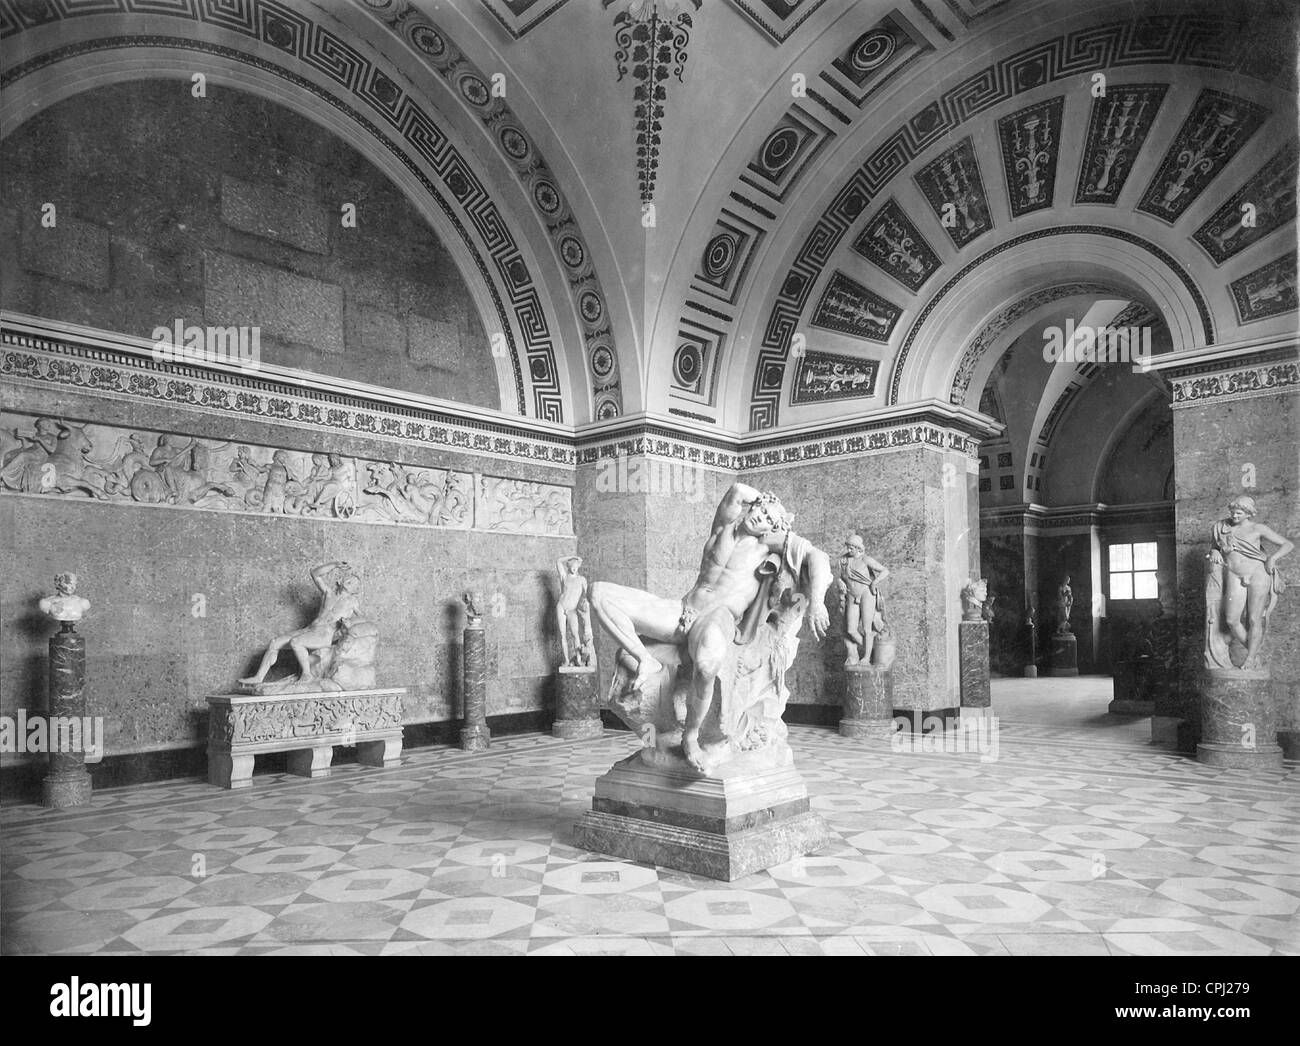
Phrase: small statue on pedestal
[65,606]
[336,651]
[473,616]
[1064,607]
[861,600]
[573,612]
[1241,586]
[974,595]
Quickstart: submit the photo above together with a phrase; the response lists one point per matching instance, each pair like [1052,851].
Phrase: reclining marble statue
[336,651]
[702,678]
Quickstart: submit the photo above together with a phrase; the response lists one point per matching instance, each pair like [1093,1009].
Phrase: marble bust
[1241,588]
[65,605]
[974,594]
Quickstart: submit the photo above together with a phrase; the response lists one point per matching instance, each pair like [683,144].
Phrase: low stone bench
[307,726]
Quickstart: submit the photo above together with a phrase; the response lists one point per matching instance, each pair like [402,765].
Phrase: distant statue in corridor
[1242,584]
[1064,607]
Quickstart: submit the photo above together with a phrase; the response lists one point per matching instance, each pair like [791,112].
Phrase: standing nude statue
[573,611]
[1242,585]
[749,541]
[339,584]
[1064,607]
[860,600]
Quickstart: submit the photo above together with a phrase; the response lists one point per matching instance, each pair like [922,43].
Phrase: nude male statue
[860,576]
[339,584]
[750,534]
[1244,578]
[573,611]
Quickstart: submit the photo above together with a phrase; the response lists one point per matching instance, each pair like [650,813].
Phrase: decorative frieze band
[1241,383]
[1267,367]
[27,357]
[59,458]
[746,454]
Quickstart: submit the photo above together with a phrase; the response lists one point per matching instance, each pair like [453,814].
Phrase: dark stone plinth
[68,783]
[1238,720]
[1289,742]
[868,702]
[577,704]
[475,736]
[973,651]
[1135,683]
[1064,656]
[719,827]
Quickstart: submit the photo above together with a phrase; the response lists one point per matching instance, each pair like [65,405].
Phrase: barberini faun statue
[702,678]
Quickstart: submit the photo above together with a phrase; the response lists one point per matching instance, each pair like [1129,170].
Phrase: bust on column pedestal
[67,783]
[1242,583]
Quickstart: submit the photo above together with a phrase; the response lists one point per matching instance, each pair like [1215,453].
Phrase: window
[1133,571]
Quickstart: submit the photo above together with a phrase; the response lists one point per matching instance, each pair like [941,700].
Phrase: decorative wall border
[1152,41]
[522,156]
[292,32]
[52,457]
[52,361]
[1240,383]
[921,428]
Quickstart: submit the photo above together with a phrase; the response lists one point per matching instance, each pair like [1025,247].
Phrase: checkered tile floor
[1072,842]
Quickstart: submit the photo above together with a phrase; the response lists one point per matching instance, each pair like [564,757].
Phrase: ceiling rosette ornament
[651,38]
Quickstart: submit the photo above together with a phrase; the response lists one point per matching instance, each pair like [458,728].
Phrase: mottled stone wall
[151,661]
[228,211]
[911,511]
[1218,444]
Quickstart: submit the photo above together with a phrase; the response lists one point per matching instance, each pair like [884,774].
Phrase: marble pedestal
[1134,684]
[307,726]
[1064,657]
[723,827]
[577,704]
[973,651]
[67,783]
[868,702]
[475,735]
[1238,720]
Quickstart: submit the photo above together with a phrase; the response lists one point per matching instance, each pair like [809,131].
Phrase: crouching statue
[336,651]
[702,679]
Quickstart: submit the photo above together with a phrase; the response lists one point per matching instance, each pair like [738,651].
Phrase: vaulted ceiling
[747,214]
